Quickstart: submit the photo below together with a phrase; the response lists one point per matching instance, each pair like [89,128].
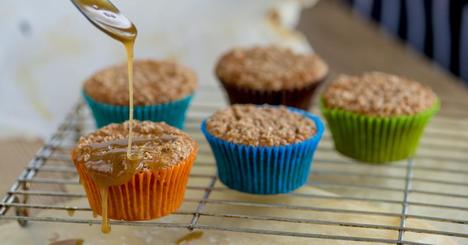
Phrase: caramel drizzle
[110,166]
[129,49]
[108,19]
[105,227]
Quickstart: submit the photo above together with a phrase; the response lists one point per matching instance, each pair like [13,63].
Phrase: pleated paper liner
[148,195]
[300,98]
[377,139]
[173,113]
[263,169]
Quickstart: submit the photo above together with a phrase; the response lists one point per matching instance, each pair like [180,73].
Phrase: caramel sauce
[129,49]
[68,242]
[105,227]
[189,237]
[121,165]
[109,165]
[71,211]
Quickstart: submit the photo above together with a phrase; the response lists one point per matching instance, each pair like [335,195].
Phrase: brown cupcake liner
[148,195]
[300,98]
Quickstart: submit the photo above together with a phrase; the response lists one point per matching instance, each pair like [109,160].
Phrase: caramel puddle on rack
[108,19]
[189,237]
[71,211]
[68,242]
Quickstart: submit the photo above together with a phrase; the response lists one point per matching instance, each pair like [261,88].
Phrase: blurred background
[436,28]
[47,48]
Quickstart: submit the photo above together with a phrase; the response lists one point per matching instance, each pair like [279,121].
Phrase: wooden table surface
[348,44]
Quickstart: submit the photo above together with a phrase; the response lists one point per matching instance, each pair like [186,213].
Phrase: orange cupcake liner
[148,195]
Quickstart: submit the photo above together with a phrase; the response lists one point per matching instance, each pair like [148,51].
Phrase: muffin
[263,149]
[270,75]
[143,188]
[377,117]
[162,92]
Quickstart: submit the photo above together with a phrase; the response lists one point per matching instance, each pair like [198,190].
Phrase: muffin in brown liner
[300,98]
[270,75]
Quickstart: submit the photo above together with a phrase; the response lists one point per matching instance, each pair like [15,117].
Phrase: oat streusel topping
[155,82]
[260,125]
[159,144]
[378,94]
[270,68]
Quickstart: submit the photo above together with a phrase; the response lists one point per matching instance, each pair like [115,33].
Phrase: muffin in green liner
[163,91]
[377,117]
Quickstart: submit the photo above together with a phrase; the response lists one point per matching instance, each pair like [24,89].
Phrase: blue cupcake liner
[265,169]
[173,113]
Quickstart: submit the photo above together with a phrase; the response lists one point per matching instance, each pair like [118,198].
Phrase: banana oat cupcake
[270,75]
[162,92]
[377,117]
[146,187]
[263,149]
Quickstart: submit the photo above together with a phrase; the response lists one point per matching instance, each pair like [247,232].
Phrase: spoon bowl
[105,16]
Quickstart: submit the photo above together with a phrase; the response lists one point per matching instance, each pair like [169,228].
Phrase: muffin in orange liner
[150,187]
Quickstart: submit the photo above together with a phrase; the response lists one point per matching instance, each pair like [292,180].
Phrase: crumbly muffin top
[270,68]
[158,144]
[378,94]
[260,125]
[154,82]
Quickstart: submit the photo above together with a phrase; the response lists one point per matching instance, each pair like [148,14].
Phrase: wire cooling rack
[432,188]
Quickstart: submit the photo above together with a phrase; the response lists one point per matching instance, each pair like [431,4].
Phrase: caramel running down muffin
[263,149]
[377,117]
[163,91]
[378,94]
[270,75]
[260,126]
[149,186]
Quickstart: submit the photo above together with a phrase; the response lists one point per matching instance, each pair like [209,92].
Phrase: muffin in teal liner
[162,92]
[173,113]
[377,117]
[263,149]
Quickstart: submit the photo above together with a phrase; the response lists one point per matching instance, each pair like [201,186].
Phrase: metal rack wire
[431,188]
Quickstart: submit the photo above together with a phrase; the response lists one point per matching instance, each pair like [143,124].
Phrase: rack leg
[22,211]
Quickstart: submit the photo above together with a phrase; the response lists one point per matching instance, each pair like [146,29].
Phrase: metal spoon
[105,16]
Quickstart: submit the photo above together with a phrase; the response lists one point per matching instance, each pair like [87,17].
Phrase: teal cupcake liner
[173,113]
[375,139]
[262,169]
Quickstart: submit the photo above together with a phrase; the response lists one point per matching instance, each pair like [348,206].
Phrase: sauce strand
[129,49]
[105,227]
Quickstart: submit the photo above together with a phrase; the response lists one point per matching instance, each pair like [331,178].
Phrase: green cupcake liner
[377,139]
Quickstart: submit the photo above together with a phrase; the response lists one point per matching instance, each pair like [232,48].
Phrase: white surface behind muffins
[48,54]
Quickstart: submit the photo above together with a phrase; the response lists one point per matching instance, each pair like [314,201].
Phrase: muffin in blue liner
[162,90]
[173,113]
[265,169]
